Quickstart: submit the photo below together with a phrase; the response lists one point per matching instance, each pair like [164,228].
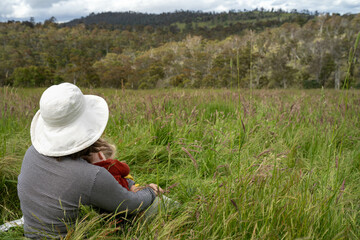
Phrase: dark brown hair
[99,146]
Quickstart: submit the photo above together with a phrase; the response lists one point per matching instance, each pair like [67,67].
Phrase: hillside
[193,18]
[215,50]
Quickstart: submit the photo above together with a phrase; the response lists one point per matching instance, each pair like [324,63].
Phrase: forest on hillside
[235,20]
[272,50]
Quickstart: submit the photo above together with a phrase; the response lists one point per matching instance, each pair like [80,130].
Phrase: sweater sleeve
[108,194]
[130,182]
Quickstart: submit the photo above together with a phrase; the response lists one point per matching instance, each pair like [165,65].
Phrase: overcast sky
[65,10]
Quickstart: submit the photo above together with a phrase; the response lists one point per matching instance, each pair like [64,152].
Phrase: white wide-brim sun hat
[68,121]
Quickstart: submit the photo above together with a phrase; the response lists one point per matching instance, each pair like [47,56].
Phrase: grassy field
[264,164]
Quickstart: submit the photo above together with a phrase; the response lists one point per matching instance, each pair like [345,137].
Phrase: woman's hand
[134,188]
[158,190]
[153,186]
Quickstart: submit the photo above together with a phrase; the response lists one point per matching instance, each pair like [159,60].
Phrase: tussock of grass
[245,165]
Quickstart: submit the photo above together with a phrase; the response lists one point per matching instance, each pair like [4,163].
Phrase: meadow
[244,164]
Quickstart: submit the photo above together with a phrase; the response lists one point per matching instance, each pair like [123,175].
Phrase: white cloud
[65,10]
[22,9]
[6,8]
[42,3]
[16,9]
[10,8]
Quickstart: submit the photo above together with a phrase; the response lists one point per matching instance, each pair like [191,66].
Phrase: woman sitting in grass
[55,179]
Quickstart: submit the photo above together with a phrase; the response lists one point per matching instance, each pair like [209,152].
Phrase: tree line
[122,20]
[297,53]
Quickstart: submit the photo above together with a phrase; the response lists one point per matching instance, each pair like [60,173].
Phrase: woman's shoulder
[75,168]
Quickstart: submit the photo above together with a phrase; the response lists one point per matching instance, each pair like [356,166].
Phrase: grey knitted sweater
[51,190]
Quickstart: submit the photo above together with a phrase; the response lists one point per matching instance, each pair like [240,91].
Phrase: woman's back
[50,191]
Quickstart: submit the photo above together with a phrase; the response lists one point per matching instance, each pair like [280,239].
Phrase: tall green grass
[278,165]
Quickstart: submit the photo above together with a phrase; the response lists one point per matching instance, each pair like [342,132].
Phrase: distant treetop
[131,18]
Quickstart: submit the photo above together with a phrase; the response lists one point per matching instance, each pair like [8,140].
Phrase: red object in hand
[118,169]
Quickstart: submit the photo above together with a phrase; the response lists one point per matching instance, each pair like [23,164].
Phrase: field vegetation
[244,164]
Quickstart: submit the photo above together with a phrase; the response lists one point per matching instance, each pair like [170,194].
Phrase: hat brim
[74,137]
